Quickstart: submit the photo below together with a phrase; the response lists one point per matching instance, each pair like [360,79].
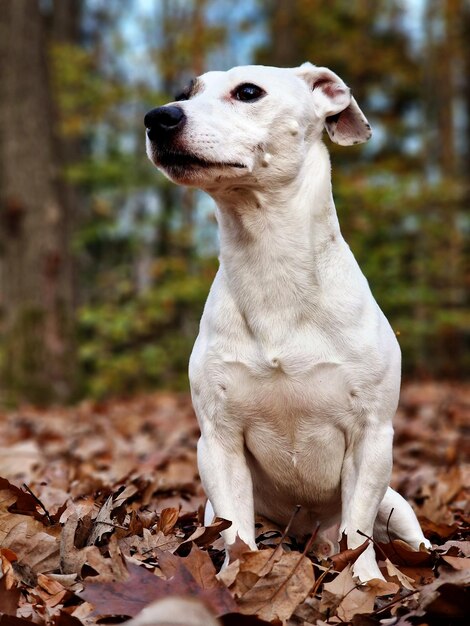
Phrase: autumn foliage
[101,516]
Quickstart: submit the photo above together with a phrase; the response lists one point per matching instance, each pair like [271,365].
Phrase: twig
[289,523]
[288,527]
[374,542]
[320,579]
[388,523]
[392,602]
[39,503]
[110,524]
[165,543]
[400,559]
[309,543]
[296,566]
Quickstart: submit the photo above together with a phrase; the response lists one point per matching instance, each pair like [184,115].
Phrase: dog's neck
[275,243]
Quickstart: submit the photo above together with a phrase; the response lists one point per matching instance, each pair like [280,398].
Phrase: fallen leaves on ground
[101,515]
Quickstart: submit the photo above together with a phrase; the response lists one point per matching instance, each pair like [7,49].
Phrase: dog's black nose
[163,120]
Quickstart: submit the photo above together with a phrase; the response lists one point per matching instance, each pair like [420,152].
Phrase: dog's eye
[181,96]
[187,92]
[247,92]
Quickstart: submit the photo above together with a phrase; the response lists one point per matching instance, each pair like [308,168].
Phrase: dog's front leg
[365,477]
[227,481]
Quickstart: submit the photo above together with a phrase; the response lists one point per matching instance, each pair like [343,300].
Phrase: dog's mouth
[187,160]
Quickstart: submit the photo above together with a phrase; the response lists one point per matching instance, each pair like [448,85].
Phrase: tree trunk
[36,286]
[466,74]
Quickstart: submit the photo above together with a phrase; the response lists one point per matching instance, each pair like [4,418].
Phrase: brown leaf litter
[101,522]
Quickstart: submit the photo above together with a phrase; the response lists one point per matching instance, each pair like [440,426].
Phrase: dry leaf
[105,521]
[346,598]
[205,535]
[359,600]
[254,565]
[72,559]
[383,587]
[146,545]
[34,544]
[440,530]
[167,520]
[401,553]
[420,575]
[228,575]
[130,596]
[345,557]
[462,546]
[9,597]
[18,460]
[394,572]
[447,597]
[336,590]
[199,564]
[277,593]
[457,563]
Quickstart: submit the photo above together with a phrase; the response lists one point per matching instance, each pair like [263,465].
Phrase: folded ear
[344,121]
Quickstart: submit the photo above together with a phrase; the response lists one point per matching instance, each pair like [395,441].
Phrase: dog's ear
[344,121]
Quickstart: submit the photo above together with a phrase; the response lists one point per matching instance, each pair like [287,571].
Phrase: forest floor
[101,514]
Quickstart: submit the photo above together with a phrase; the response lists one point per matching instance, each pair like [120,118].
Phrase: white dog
[295,374]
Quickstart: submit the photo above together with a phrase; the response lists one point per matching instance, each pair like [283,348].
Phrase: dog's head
[251,124]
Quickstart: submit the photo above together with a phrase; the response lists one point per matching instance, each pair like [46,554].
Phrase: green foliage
[409,245]
[143,340]
[82,94]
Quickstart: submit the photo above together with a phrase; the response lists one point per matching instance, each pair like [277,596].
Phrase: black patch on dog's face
[194,87]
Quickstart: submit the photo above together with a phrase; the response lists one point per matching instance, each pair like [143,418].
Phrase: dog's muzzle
[164,122]
[168,150]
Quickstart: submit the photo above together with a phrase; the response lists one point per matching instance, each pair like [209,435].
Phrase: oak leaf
[73,560]
[199,564]
[345,557]
[346,598]
[35,545]
[105,521]
[205,535]
[403,579]
[447,597]
[128,597]
[401,553]
[337,589]
[275,584]
[457,563]
[253,566]
[167,520]
[145,546]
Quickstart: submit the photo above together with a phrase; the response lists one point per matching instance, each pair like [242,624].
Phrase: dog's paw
[365,567]
[418,542]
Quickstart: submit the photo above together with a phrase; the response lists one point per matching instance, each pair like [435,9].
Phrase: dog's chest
[289,377]
[293,425]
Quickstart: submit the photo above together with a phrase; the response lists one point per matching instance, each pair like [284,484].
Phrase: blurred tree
[446,159]
[36,263]
[465,49]
[186,40]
